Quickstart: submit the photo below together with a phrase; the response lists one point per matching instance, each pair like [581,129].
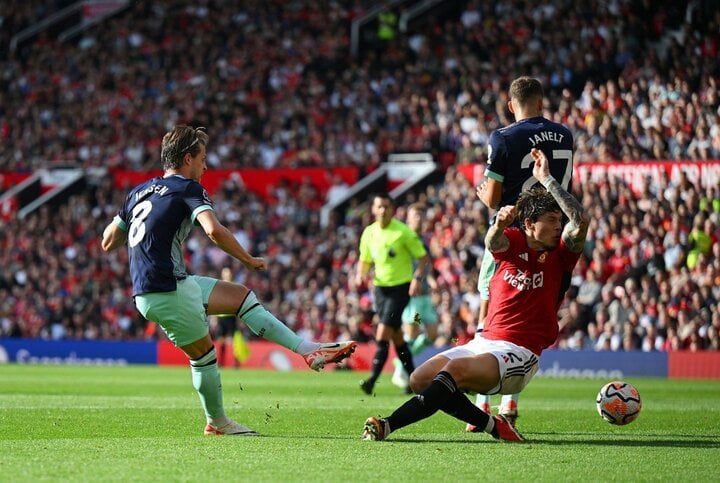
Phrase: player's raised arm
[575,231]
[495,240]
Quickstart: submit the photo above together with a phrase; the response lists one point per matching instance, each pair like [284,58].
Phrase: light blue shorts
[420,310]
[487,269]
[182,313]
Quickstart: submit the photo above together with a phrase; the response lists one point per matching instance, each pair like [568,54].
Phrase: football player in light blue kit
[154,221]
[420,310]
[509,172]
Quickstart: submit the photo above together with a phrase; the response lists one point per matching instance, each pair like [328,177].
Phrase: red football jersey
[524,293]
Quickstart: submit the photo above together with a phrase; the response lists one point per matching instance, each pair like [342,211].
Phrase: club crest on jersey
[206,198]
[542,257]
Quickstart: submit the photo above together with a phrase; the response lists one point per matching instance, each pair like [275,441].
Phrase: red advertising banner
[259,181]
[693,365]
[475,173]
[10,179]
[635,173]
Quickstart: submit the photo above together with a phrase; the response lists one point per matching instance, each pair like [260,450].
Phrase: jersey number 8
[137,223]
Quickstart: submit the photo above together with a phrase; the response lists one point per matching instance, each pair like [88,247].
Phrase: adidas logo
[524,256]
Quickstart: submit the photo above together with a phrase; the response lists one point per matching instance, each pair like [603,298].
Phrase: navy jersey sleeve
[497,163]
[197,200]
[123,217]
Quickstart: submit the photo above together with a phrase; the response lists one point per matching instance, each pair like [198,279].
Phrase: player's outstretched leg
[266,325]
[229,428]
[504,430]
[332,352]
[501,429]
[483,402]
[375,429]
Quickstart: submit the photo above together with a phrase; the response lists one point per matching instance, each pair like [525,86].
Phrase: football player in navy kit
[509,173]
[154,221]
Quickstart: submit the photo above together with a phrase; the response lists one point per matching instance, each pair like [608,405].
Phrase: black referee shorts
[390,303]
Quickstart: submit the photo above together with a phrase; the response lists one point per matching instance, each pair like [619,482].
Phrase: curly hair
[182,139]
[533,203]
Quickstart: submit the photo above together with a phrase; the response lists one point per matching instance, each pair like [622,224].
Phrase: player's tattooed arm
[575,231]
[495,240]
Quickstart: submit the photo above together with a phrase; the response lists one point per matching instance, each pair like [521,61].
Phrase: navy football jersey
[158,215]
[509,160]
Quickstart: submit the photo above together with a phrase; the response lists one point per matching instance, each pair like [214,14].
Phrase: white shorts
[517,364]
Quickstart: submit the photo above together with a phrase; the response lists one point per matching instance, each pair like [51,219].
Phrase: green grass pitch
[143,423]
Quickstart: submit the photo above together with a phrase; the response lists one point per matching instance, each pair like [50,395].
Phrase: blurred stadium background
[312,105]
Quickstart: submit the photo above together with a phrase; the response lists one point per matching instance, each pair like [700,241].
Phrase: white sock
[490,425]
[218,422]
[306,346]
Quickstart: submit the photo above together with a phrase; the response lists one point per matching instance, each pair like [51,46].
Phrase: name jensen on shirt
[154,188]
[546,136]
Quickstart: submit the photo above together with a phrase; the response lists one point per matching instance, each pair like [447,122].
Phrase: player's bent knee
[419,382]
[422,376]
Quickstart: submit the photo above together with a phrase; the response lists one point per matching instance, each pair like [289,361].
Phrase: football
[618,403]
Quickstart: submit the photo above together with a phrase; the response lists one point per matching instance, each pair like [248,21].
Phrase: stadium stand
[276,86]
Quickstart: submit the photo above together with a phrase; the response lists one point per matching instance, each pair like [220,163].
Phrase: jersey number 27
[557,154]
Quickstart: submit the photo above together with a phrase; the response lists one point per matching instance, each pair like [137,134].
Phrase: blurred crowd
[276,86]
[276,82]
[649,280]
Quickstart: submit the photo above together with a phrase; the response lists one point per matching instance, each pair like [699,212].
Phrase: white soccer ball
[618,403]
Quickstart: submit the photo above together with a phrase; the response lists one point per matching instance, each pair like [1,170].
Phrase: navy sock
[379,360]
[459,406]
[405,357]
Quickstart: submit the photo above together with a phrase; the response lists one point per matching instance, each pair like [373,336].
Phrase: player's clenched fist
[505,216]
[541,168]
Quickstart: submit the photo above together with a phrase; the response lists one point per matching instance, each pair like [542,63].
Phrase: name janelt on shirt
[546,136]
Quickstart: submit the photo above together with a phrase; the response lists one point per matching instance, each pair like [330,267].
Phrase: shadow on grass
[554,439]
[666,443]
[666,440]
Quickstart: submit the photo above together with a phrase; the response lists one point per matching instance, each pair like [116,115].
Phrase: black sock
[405,356]
[459,406]
[424,404]
[379,360]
